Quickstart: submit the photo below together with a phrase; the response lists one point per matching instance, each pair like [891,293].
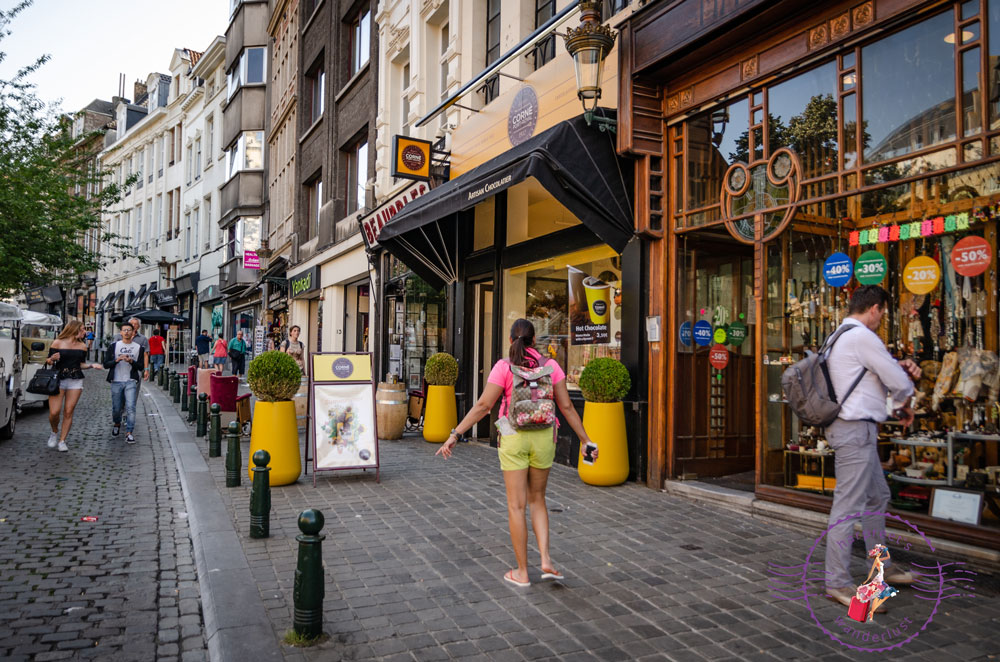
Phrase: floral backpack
[532,405]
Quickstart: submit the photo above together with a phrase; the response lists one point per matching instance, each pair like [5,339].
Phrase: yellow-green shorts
[527,448]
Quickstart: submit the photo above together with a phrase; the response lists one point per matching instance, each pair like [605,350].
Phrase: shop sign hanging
[251,260]
[837,270]
[411,158]
[703,333]
[921,274]
[589,309]
[737,333]
[685,333]
[720,335]
[971,256]
[870,268]
[718,356]
[927,227]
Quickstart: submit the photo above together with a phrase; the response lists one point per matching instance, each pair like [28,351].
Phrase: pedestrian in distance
[861,484]
[203,344]
[89,338]
[294,347]
[238,353]
[126,361]
[219,354]
[526,455]
[67,355]
[157,353]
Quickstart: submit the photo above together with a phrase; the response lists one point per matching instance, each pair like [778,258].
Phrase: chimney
[138,90]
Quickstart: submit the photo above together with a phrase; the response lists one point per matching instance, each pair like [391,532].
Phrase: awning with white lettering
[574,162]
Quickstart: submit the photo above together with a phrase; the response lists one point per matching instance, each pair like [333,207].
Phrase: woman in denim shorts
[525,455]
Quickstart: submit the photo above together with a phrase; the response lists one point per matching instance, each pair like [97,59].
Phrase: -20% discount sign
[971,256]
[921,274]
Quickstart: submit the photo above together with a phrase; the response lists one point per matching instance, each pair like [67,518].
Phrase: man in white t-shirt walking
[125,360]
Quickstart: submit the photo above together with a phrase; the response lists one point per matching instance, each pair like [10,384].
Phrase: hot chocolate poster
[344,426]
[589,309]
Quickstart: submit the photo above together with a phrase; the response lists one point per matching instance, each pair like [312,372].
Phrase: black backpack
[808,389]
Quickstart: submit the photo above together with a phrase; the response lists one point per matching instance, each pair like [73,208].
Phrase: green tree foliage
[42,219]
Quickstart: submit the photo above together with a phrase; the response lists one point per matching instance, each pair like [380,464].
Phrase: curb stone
[237,627]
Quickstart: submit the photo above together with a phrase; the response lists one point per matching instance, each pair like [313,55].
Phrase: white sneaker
[63,447]
[53,440]
[129,439]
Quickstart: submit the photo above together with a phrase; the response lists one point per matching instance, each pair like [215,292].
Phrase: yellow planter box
[276,431]
[605,424]
[440,416]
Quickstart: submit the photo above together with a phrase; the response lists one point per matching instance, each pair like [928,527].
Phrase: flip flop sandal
[554,574]
[509,577]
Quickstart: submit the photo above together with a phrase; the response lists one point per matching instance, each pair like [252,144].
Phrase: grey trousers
[861,487]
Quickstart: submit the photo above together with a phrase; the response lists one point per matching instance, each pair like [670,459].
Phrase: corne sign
[372,224]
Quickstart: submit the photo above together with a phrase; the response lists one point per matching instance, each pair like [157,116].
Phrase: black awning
[135,301]
[119,298]
[104,302]
[574,162]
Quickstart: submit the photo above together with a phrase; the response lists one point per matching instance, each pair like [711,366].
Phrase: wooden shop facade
[788,151]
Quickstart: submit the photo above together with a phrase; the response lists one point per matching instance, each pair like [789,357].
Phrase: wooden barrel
[390,410]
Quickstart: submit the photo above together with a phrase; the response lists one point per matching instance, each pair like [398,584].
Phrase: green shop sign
[737,333]
[870,268]
[304,283]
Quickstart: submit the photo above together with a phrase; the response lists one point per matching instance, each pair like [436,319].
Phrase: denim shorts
[527,448]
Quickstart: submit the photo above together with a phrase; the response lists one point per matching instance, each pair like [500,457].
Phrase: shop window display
[540,292]
[416,324]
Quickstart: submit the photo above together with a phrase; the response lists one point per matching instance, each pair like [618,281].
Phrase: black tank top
[69,362]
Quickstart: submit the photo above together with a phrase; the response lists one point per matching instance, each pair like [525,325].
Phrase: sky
[91,42]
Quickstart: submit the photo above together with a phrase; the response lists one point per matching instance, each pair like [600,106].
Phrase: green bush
[605,380]
[274,376]
[441,369]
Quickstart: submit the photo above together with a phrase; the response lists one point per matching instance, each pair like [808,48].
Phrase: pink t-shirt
[502,376]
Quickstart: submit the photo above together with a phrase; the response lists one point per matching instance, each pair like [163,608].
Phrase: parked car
[38,330]
[10,367]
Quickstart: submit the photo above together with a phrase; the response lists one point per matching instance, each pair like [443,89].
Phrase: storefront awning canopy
[577,164]
[135,301]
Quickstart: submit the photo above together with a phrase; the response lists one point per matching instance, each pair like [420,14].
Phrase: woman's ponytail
[522,336]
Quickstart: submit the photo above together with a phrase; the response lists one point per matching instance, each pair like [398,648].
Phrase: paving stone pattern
[121,588]
[414,567]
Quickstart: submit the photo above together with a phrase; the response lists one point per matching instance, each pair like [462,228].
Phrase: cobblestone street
[121,588]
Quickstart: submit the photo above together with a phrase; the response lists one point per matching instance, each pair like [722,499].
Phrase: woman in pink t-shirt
[525,455]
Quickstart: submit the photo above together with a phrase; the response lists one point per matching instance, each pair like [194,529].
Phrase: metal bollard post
[165,371]
[202,427]
[184,391]
[159,377]
[234,459]
[260,496]
[192,399]
[215,432]
[175,387]
[308,590]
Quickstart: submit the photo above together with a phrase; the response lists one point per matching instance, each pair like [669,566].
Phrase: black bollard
[202,427]
[159,377]
[215,432]
[234,460]
[175,387]
[165,383]
[184,391]
[260,496]
[192,407]
[308,590]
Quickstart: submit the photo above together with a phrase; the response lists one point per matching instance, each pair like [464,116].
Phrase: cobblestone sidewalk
[121,588]
[414,567]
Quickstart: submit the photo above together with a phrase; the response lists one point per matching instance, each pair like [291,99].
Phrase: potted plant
[274,379]
[605,382]
[440,417]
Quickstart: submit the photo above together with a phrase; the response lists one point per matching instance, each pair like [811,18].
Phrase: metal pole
[202,428]
[260,496]
[234,459]
[308,590]
[215,431]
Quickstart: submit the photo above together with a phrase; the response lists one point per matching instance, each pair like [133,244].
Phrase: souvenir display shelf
[806,481]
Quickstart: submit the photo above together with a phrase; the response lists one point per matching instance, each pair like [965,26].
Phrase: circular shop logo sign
[600,307]
[685,333]
[837,270]
[870,268]
[523,116]
[343,368]
[413,158]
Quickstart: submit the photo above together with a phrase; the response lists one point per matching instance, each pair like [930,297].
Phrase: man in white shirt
[861,485]
[125,360]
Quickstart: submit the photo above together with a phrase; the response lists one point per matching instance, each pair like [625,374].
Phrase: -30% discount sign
[971,256]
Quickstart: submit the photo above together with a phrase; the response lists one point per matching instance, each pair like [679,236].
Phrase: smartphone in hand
[588,453]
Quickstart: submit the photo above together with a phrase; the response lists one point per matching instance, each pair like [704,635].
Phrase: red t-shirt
[156,344]
[502,376]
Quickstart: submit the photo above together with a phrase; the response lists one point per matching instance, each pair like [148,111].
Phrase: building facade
[329,278]
[786,153]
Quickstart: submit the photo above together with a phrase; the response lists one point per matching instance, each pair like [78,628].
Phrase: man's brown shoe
[900,576]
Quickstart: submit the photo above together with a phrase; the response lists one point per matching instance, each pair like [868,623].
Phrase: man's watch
[458,437]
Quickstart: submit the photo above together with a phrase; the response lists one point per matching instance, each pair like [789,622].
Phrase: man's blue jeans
[124,394]
[155,363]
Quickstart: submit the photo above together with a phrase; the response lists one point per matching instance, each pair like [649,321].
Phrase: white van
[38,330]
[10,367]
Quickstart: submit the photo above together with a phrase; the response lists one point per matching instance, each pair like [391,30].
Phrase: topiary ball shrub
[274,376]
[441,369]
[605,380]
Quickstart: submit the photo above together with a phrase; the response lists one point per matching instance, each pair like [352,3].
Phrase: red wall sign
[718,356]
[971,256]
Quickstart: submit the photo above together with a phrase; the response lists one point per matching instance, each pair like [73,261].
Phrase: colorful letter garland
[924,228]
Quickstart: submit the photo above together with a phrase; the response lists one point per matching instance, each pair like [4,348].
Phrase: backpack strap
[825,350]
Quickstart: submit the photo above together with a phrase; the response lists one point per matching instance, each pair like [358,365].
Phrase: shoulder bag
[44,382]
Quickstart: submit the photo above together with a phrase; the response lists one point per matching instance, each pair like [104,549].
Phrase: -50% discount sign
[718,356]
[921,274]
[971,256]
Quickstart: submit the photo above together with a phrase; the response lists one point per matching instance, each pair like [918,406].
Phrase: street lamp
[588,45]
